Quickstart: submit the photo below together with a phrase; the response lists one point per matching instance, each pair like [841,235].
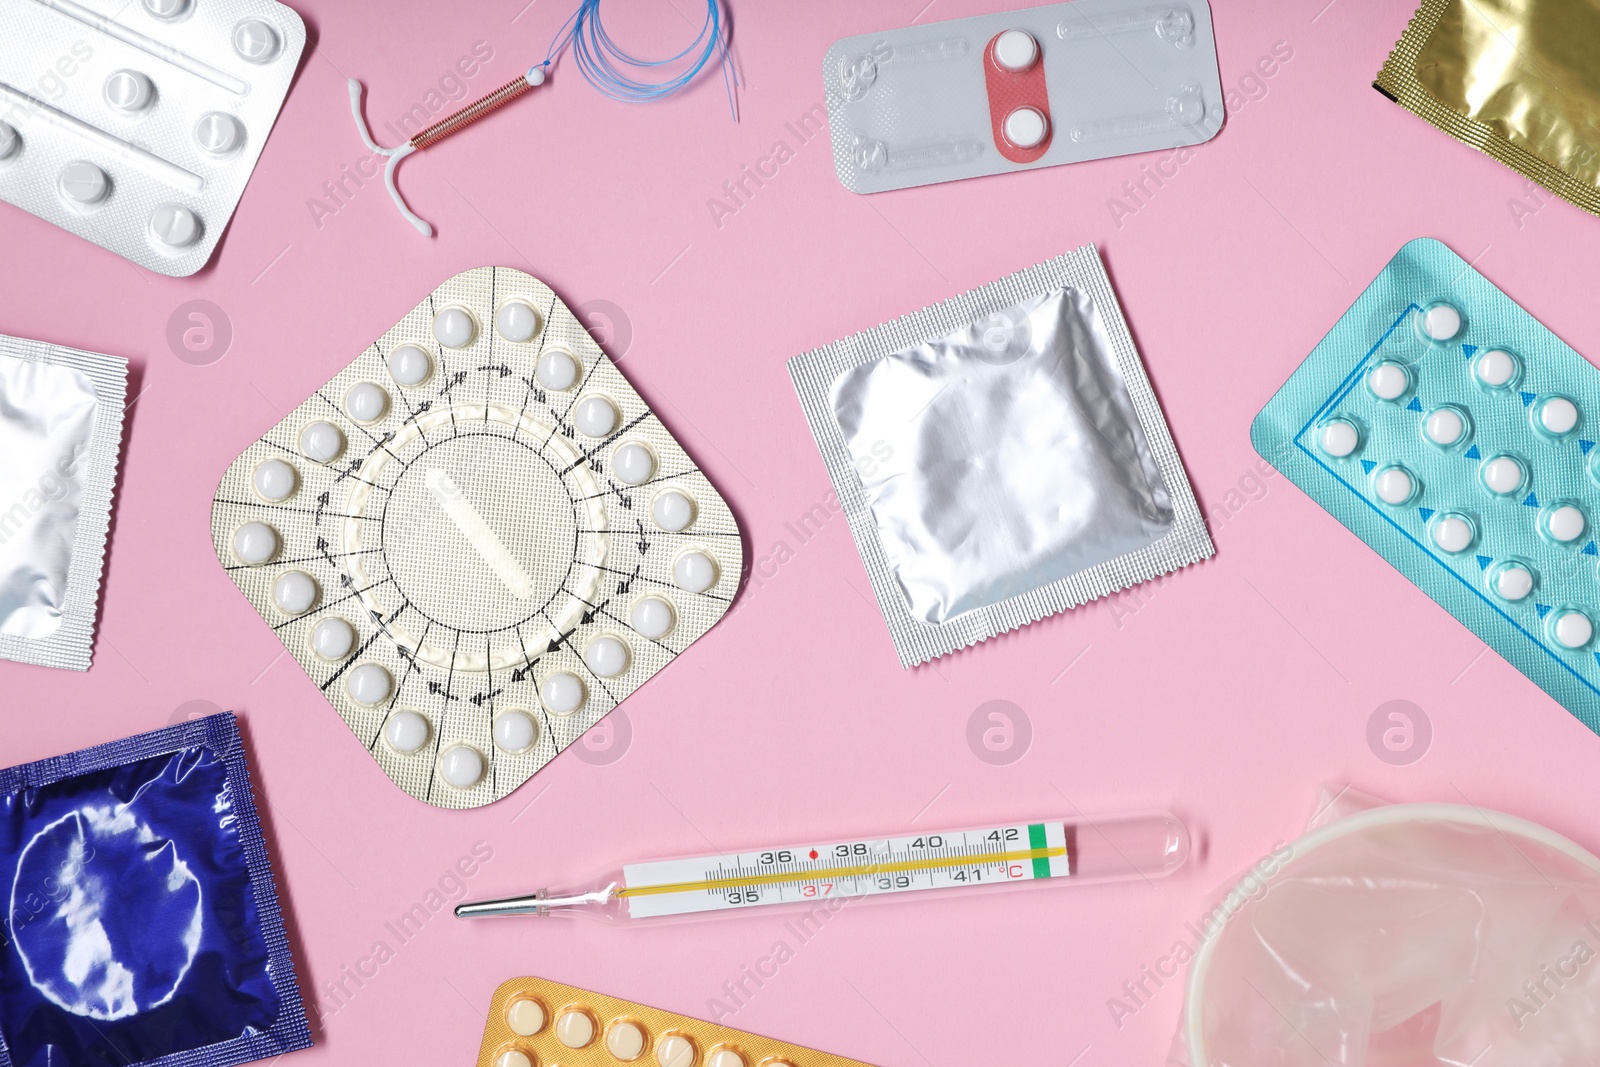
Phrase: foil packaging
[1000,457]
[1515,79]
[60,435]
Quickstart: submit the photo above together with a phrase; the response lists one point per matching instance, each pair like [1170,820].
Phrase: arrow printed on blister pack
[1415,405]
[1483,562]
[1367,465]
[1472,453]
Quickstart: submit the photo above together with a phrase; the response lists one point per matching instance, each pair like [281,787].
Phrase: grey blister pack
[135,124]
[1021,89]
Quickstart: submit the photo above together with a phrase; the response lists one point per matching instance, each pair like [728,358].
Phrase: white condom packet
[1016,90]
[60,435]
[1000,457]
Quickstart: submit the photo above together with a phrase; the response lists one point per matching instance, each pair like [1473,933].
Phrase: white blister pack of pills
[477,539]
[135,124]
[1015,90]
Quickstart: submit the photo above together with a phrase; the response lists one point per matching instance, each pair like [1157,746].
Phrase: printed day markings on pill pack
[135,124]
[534,1022]
[1455,434]
[477,539]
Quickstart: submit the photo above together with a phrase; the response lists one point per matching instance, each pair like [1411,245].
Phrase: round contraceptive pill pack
[477,539]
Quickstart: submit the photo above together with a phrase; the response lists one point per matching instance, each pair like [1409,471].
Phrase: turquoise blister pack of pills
[1454,434]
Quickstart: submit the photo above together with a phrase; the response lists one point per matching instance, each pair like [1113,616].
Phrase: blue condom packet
[141,925]
[1454,434]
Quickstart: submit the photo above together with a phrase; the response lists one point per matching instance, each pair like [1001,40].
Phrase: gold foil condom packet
[1515,79]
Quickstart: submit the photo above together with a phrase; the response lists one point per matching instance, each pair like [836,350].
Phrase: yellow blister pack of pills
[534,1022]
[477,539]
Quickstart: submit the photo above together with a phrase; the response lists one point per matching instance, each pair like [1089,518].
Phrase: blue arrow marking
[1473,453]
[1415,405]
[1366,466]
[1483,562]
[1542,609]
[1469,350]
[1532,501]
[1527,398]
[1585,445]
[1426,513]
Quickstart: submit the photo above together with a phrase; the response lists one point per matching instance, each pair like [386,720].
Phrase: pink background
[1226,693]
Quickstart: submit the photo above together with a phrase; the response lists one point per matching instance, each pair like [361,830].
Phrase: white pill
[1339,438]
[368,684]
[129,90]
[1503,475]
[1558,415]
[1444,427]
[255,41]
[694,572]
[606,656]
[1453,534]
[625,1040]
[1513,581]
[557,369]
[84,183]
[725,1057]
[595,416]
[672,510]
[410,365]
[10,140]
[255,542]
[1495,368]
[675,1050]
[516,321]
[1015,50]
[274,480]
[525,1017]
[166,9]
[1572,629]
[652,617]
[294,592]
[366,402]
[1394,485]
[512,1057]
[333,638]
[321,441]
[574,1029]
[514,731]
[1565,523]
[174,225]
[1026,127]
[1441,322]
[562,693]
[218,133]
[633,464]
[1388,381]
[406,731]
[461,766]
[454,327]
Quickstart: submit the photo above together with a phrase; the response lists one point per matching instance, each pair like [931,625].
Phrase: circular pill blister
[1453,532]
[368,684]
[514,731]
[321,441]
[1503,475]
[294,592]
[725,1057]
[461,766]
[675,1050]
[557,369]
[406,731]
[83,183]
[129,91]
[1446,426]
[1439,322]
[525,1016]
[606,656]
[694,572]
[166,10]
[513,1057]
[652,617]
[10,141]
[218,133]
[1562,522]
[274,480]
[255,543]
[574,1028]
[255,41]
[1338,438]
[1026,127]
[333,638]
[517,321]
[1016,50]
[672,510]
[633,464]
[595,416]
[410,365]
[1571,628]
[625,1040]
[454,327]
[366,402]
[562,692]
[1394,485]
[1554,416]
[1388,380]
[1512,580]
[1496,369]
[174,225]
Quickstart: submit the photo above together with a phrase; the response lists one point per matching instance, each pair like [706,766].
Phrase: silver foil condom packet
[60,434]
[1000,457]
